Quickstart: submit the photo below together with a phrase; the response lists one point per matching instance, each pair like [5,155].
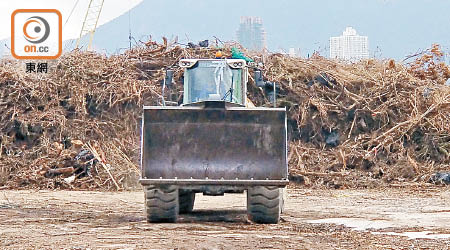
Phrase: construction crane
[91,21]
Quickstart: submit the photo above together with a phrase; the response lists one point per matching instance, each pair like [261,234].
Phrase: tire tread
[264,204]
[161,203]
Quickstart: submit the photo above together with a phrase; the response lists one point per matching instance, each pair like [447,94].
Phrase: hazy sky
[396,28]
[111,9]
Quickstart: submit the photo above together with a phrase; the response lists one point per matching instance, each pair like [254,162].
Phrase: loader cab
[215,80]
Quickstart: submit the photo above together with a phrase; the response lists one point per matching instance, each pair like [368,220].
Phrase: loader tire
[264,204]
[161,203]
[186,200]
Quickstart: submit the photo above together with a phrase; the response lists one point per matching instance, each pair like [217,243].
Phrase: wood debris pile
[78,127]
[367,122]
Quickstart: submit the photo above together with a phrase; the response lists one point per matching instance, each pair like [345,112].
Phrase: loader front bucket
[214,143]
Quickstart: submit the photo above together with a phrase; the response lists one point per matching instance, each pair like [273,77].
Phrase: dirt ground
[394,218]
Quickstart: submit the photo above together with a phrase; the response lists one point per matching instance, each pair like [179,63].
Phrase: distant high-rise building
[251,33]
[294,52]
[350,46]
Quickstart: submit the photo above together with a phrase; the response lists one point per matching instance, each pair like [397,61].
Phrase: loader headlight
[187,63]
[237,64]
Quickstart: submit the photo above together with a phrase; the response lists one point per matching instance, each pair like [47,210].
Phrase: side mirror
[259,78]
[167,83]
[169,77]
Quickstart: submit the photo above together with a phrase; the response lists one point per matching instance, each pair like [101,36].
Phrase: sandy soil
[314,219]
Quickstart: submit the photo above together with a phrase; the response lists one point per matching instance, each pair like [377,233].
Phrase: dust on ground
[314,219]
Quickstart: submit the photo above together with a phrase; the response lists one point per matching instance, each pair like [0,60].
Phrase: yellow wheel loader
[213,143]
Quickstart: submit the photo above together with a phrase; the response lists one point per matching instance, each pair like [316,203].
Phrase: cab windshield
[212,81]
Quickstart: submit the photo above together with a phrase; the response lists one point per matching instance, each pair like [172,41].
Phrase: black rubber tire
[264,204]
[161,203]
[186,200]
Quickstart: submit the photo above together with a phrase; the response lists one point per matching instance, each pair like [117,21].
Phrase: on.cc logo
[36,34]
[40,28]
